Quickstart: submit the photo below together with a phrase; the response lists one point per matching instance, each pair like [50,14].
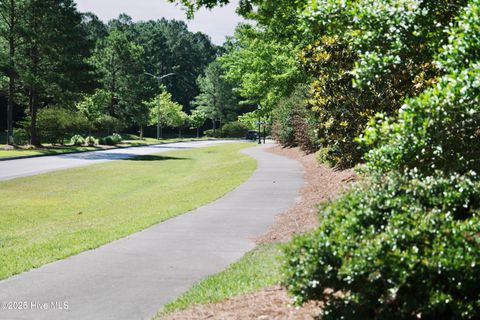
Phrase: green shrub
[234,129]
[341,111]
[77,140]
[108,141]
[439,130]
[396,248]
[112,140]
[405,242]
[90,141]
[117,138]
[107,123]
[294,124]
[213,133]
[21,136]
[54,123]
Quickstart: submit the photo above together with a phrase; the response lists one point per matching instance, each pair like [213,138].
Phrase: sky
[217,23]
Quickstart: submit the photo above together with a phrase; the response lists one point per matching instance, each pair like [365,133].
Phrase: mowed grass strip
[259,268]
[48,149]
[52,216]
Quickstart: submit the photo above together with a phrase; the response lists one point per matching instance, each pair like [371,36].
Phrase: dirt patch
[267,304]
[321,183]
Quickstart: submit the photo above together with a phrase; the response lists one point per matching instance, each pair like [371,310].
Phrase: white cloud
[217,23]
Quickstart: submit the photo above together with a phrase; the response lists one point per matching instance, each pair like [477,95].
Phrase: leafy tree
[94,107]
[216,98]
[118,61]
[179,120]
[164,111]
[249,119]
[95,29]
[189,54]
[9,16]
[261,69]
[51,61]
[197,120]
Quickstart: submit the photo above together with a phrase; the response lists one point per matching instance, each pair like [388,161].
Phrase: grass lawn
[130,141]
[55,215]
[257,269]
[46,150]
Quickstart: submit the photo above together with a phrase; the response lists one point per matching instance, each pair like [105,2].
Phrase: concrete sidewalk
[133,277]
[11,169]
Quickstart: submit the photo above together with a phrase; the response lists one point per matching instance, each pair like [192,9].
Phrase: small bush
[90,141]
[77,140]
[21,136]
[108,141]
[112,140]
[213,134]
[116,138]
[234,130]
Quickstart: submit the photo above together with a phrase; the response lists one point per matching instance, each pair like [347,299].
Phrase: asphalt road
[10,169]
[133,277]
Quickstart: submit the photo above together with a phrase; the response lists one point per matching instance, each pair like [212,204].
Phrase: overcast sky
[217,23]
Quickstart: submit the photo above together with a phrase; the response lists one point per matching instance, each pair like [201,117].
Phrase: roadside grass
[52,216]
[48,149]
[257,269]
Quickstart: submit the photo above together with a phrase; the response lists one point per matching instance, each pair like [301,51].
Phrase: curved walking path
[133,277]
[15,168]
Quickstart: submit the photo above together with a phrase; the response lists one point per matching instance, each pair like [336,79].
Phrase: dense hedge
[395,250]
[234,129]
[294,124]
[55,123]
[404,243]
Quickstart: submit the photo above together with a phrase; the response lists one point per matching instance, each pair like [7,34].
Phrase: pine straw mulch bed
[321,183]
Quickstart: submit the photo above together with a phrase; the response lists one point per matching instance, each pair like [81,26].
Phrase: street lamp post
[159,79]
[259,123]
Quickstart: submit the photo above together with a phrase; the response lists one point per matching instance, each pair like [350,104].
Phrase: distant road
[11,169]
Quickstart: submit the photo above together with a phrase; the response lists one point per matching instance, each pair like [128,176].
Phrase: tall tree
[197,120]
[118,60]
[51,61]
[165,112]
[216,98]
[9,15]
[262,69]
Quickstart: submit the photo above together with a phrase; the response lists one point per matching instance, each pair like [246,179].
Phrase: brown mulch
[7,147]
[321,183]
[270,303]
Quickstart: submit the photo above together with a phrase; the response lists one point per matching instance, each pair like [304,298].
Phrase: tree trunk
[12,73]
[180,132]
[141,132]
[11,93]
[32,103]
[198,132]
[33,91]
